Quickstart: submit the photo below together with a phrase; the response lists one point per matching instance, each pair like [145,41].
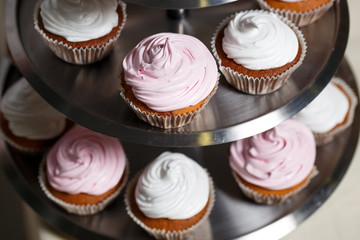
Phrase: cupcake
[28,122]
[80,32]
[84,171]
[331,112]
[257,50]
[171,197]
[275,165]
[168,79]
[300,12]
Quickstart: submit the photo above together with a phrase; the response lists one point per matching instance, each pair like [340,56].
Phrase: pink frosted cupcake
[273,166]
[84,171]
[168,79]
[80,32]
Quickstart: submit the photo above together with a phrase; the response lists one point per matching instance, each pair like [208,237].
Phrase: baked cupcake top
[29,115]
[169,71]
[83,161]
[326,111]
[79,20]
[276,159]
[173,186]
[259,40]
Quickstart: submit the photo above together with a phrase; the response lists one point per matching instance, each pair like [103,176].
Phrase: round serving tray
[233,216]
[89,95]
[178,4]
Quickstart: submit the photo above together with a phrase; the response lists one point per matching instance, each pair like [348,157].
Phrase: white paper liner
[299,18]
[162,233]
[263,85]
[171,121]
[324,138]
[83,55]
[271,199]
[83,210]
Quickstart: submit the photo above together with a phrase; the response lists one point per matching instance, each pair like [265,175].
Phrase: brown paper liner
[83,210]
[301,19]
[258,85]
[168,121]
[25,145]
[272,198]
[163,233]
[325,138]
[76,55]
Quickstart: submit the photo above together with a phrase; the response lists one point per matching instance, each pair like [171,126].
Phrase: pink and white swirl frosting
[173,186]
[83,161]
[29,115]
[79,20]
[170,71]
[276,159]
[259,40]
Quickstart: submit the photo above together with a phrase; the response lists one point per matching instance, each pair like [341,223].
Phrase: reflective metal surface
[178,4]
[89,95]
[233,216]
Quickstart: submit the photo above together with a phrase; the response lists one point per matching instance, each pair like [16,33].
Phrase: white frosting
[259,40]
[79,20]
[29,115]
[327,110]
[173,186]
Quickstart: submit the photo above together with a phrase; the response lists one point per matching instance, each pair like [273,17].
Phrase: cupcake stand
[89,95]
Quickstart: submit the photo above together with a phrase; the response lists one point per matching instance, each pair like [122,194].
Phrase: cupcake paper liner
[83,55]
[263,85]
[83,210]
[324,138]
[271,199]
[299,18]
[23,149]
[29,150]
[171,121]
[162,233]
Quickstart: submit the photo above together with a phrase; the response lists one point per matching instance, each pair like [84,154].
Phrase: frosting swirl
[173,186]
[29,115]
[327,110]
[276,159]
[83,161]
[169,71]
[79,20]
[259,40]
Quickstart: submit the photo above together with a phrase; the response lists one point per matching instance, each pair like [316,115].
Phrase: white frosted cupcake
[168,78]
[300,12]
[28,122]
[331,112]
[80,32]
[257,50]
[171,197]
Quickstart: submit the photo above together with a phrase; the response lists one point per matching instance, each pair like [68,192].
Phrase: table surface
[339,217]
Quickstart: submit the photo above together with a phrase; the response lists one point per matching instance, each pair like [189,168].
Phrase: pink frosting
[169,71]
[276,159]
[83,161]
